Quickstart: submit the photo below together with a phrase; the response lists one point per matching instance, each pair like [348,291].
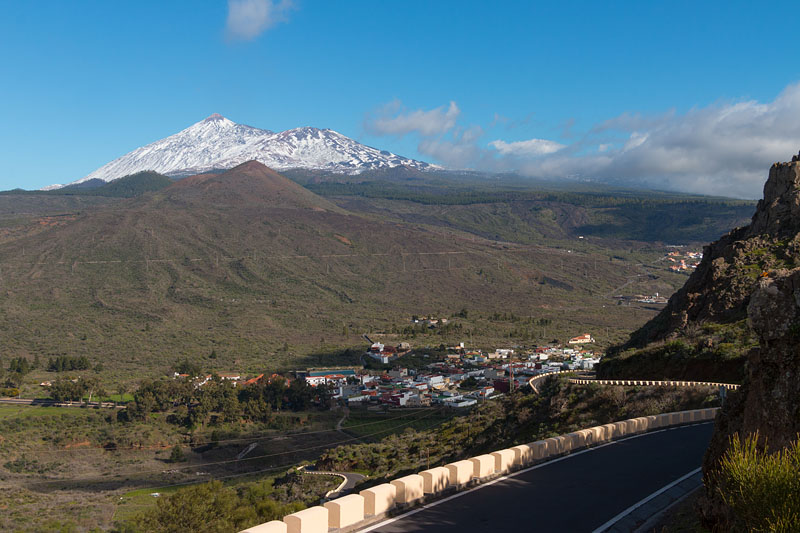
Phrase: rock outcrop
[719,290]
[769,400]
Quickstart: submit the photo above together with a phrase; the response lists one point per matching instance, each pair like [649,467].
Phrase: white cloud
[460,151]
[725,148]
[529,148]
[394,120]
[247,19]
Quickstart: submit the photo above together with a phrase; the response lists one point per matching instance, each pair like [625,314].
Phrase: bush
[177,455]
[762,490]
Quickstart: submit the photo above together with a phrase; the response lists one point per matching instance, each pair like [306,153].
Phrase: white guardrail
[630,382]
[355,511]
[651,383]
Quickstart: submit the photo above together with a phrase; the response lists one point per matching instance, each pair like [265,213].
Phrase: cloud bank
[247,19]
[721,149]
[394,120]
[531,147]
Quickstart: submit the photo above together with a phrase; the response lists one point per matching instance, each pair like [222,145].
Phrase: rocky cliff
[720,288]
[706,318]
[769,400]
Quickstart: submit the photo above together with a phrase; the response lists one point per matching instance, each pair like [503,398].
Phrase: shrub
[762,490]
[177,455]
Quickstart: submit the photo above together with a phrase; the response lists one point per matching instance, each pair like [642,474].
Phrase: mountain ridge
[217,143]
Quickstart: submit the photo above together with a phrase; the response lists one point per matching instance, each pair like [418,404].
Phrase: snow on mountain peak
[219,143]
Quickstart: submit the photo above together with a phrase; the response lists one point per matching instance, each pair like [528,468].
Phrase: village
[683,261]
[460,378]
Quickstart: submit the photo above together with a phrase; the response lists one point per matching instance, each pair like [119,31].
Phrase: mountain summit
[217,143]
[250,184]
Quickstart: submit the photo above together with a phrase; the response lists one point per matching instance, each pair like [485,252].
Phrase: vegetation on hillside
[711,352]
[218,400]
[213,507]
[530,214]
[126,187]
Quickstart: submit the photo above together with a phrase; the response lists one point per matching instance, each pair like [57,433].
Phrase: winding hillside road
[579,492]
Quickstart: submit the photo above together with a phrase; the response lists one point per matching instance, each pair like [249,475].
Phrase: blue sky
[696,96]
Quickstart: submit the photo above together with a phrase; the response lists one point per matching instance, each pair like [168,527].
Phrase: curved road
[579,492]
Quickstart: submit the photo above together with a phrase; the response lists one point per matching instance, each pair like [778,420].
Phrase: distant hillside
[126,187]
[256,268]
[530,213]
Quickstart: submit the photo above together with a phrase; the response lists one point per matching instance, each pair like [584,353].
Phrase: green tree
[177,455]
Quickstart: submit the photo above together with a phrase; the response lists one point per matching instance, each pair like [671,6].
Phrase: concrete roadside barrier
[311,520]
[409,489]
[435,480]
[349,511]
[275,526]
[460,473]
[503,461]
[573,441]
[345,511]
[642,424]
[551,447]
[539,449]
[378,499]
[596,434]
[523,455]
[609,431]
[482,466]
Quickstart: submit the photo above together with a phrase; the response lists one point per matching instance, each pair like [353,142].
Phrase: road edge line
[638,504]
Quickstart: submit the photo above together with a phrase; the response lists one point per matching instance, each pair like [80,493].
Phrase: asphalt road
[574,494]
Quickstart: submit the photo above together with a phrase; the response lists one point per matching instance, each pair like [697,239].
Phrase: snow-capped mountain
[219,143]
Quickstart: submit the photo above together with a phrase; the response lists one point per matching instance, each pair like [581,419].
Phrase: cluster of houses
[234,377]
[465,377]
[430,321]
[654,298]
[386,353]
[683,261]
